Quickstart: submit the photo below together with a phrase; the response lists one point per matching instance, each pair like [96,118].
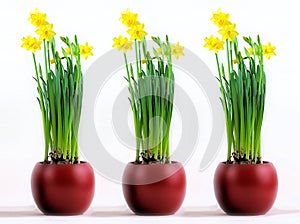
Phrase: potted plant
[244,184]
[152,184]
[61,184]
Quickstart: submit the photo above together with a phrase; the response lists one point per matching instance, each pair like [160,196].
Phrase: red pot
[63,189]
[154,189]
[246,189]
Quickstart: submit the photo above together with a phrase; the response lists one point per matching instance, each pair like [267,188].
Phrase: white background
[96,21]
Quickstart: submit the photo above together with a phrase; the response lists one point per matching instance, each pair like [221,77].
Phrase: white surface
[21,138]
[123,215]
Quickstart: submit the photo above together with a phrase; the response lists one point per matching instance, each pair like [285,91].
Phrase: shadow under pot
[154,189]
[63,189]
[246,189]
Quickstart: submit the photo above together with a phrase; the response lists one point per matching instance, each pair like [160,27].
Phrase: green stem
[227,122]
[46,59]
[48,56]
[140,56]
[137,58]
[229,58]
[134,111]
[42,106]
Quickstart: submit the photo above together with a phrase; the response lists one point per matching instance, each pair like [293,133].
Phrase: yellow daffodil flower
[128,18]
[177,50]
[159,51]
[46,32]
[122,43]
[86,50]
[250,50]
[143,61]
[269,50]
[68,50]
[214,44]
[220,19]
[118,42]
[210,42]
[37,18]
[228,32]
[31,43]
[126,46]
[137,32]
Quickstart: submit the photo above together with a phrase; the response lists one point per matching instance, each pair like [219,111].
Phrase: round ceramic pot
[246,189]
[154,189]
[63,189]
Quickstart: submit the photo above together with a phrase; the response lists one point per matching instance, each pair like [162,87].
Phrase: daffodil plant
[242,82]
[59,86]
[151,89]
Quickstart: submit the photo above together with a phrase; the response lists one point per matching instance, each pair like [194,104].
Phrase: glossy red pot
[246,189]
[63,189]
[154,189]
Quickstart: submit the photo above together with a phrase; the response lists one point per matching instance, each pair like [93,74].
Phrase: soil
[57,158]
[148,158]
[241,159]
